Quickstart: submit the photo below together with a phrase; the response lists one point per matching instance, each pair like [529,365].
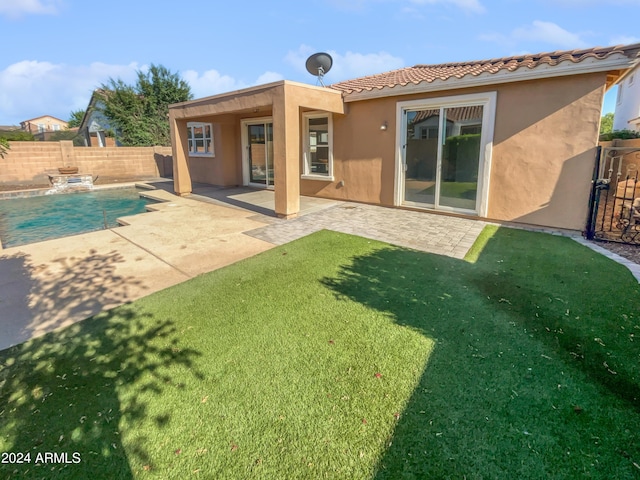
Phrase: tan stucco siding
[363,155]
[179,145]
[543,150]
[544,147]
[283,101]
[225,167]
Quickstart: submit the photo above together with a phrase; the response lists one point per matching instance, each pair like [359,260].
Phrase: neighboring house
[627,113]
[509,139]
[43,127]
[94,127]
[9,128]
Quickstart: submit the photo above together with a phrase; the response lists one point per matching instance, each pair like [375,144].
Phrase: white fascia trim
[590,65]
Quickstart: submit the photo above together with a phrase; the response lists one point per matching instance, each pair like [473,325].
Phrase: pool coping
[40,192]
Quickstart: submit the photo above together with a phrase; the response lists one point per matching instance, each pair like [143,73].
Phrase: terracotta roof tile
[445,71]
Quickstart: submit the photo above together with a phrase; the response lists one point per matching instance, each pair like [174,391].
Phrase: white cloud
[31,88]
[213,82]
[268,77]
[550,33]
[538,32]
[624,40]
[347,65]
[19,8]
[210,83]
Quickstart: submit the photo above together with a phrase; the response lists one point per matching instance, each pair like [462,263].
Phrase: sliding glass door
[461,157]
[442,156]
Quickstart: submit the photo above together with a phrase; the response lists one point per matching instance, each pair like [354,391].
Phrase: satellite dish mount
[318,64]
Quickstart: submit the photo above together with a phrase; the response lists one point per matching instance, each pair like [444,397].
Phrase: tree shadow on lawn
[73,390]
[37,298]
[504,394]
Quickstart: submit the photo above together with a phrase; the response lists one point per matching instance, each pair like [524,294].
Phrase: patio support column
[286,149]
[181,174]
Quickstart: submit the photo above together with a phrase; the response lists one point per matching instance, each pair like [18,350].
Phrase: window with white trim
[619,99]
[318,146]
[200,139]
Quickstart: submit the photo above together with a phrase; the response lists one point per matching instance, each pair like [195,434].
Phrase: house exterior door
[257,139]
[444,157]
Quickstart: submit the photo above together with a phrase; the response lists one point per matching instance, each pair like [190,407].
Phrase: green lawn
[340,357]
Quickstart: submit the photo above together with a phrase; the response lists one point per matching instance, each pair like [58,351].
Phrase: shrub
[619,134]
[4,146]
[78,140]
[17,136]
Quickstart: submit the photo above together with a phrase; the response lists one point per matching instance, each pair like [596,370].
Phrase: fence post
[594,197]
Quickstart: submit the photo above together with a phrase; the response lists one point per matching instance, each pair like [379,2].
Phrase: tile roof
[446,71]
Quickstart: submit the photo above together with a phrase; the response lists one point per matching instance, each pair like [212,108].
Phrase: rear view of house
[509,139]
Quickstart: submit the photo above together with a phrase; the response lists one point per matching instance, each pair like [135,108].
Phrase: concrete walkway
[53,284]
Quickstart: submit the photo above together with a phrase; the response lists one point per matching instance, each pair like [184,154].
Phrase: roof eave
[249,91]
[591,65]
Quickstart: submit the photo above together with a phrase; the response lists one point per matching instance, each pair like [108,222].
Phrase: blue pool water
[34,219]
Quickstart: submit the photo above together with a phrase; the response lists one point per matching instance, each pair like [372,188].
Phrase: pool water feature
[35,219]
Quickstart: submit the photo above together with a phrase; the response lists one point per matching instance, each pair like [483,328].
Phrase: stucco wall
[225,168]
[363,155]
[543,147]
[543,151]
[31,162]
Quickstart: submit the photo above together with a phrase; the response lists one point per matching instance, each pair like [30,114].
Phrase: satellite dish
[318,64]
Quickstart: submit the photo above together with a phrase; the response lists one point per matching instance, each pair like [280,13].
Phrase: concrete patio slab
[53,284]
[260,201]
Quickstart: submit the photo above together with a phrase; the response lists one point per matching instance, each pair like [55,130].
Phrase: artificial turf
[340,357]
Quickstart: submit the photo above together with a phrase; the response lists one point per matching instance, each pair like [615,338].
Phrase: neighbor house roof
[96,96]
[482,72]
[43,116]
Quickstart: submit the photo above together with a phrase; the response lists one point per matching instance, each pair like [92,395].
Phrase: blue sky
[57,51]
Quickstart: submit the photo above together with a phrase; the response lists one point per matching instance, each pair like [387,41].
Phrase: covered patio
[211,141]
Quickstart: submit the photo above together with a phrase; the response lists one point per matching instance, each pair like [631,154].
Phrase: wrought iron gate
[614,210]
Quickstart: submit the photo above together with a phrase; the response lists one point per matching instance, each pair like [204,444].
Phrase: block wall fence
[32,162]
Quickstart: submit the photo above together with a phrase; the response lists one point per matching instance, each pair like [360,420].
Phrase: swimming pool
[34,219]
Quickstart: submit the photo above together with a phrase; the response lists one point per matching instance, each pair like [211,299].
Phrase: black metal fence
[614,210]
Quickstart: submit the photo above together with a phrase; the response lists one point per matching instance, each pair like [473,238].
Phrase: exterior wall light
[383,127]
